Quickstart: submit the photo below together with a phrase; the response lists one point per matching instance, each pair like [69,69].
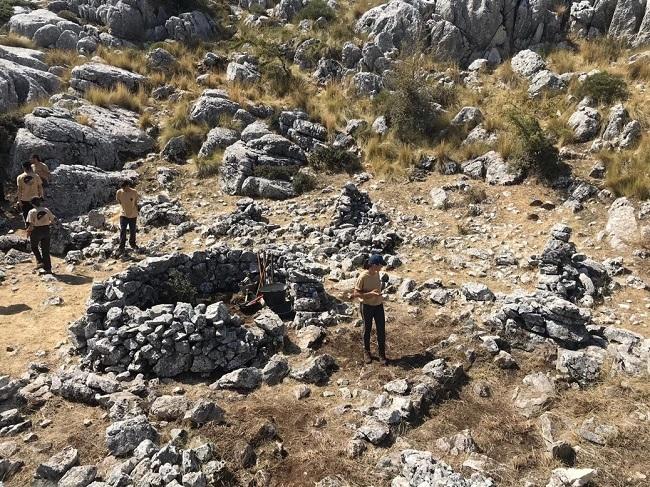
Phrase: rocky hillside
[495,153]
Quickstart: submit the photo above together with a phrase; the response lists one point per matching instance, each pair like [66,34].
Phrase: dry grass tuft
[62,57]
[15,40]
[84,119]
[208,166]
[628,172]
[133,60]
[119,96]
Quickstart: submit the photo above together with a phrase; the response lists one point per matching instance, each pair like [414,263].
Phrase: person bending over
[39,220]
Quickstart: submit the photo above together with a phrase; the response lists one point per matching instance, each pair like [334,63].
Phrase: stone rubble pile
[246,221]
[408,401]
[358,227]
[569,274]
[125,327]
[159,211]
[296,126]
[416,468]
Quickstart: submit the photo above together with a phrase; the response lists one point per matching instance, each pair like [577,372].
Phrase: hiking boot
[383,360]
[366,357]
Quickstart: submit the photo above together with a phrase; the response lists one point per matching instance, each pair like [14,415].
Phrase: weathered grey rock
[535,395]
[545,82]
[58,465]
[585,123]
[203,412]
[571,477]
[583,366]
[244,73]
[400,19]
[24,77]
[315,370]
[367,84]
[47,35]
[57,136]
[504,360]
[26,24]
[219,138]
[122,437]
[190,27]
[169,408]
[597,432]
[161,60]
[328,70]
[212,106]
[67,41]
[474,291]
[527,63]
[176,150]
[245,379]
[462,442]
[374,431]
[75,190]
[350,55]
[310,336]
[78,476]
[439,198]
[90,75]
[622,226]
[276,369]
[467,117]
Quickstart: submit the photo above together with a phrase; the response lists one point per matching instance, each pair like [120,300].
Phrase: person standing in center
[29,186]
[127,197]
[368,289]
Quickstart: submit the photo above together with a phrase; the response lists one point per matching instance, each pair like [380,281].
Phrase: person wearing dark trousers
[29,186]
[127,197]
[368,289]
[39,220]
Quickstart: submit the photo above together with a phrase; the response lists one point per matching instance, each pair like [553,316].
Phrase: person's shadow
[410,362]
[13,309]
[73,280]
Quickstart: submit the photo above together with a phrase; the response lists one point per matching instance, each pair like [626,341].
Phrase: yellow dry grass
[14,40]
[119,96]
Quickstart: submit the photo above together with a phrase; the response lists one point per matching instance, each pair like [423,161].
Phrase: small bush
[180,288]
[6,10]
[334,160]
[413,105]
[304,182]
[208,166]
[475,196]
[535,152]
[9,125]
[603,87]
[276,173]
[316,9]
[120,96]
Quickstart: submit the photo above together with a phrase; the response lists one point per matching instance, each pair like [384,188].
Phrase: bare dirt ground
[313,433]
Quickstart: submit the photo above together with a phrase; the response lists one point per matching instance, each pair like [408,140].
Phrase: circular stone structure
[161,318]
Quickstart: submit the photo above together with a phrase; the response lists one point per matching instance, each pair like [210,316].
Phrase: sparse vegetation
[334,160]
[15,40]
[603,87]
[628,172]
[84,119]
[180,288]
[63,57]
[535,153]
[208,166]
[277,173]
[120,96]
[475,196]
[133,60]
[304,182]
[316,9]
[640,69]
[413,105]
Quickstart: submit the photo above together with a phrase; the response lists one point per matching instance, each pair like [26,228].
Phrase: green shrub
[6,11]
[333,160]
[603,87]
[278,173]
[317,9]
[304,182]
[413,105]
[208,166]
[9,125]
[475,196]
[535,153]
[180,288]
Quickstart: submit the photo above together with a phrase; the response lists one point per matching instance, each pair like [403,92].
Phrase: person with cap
[29,186]
[39,220]
[127,197]
[40,168]
[368,289]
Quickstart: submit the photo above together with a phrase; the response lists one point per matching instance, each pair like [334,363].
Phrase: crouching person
[39,220]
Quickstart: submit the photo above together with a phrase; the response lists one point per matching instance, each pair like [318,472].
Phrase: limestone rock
[122,437]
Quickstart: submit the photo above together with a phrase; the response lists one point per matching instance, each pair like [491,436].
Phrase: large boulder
[585,123]
[240,159]
[75,189]
[27,24]
[122,437]
[212,106]
[112,136]
[96,75]
[622,227]
[24,77]
[400,19]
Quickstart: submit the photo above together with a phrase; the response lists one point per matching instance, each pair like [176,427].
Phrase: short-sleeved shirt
[128,200]
[29,186]
[369,282]
[42,170]
[40,217]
